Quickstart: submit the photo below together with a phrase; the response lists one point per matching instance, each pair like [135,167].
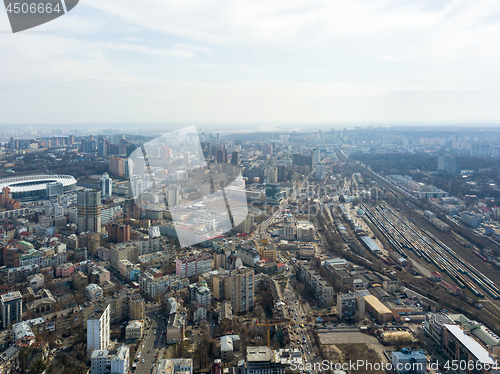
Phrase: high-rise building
[118,233]
[117,166]
[242,290]
[319,172]
[89,146]
[281,173]
[221,156]
[301,160]
[12,307]
[89,210]
[235,158]
[98,325]
[165,153]
[273,175]
[106,185]
[53,190]
[448,165]
[102,147]
[173,196]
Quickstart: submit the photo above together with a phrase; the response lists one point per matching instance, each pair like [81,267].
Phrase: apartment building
[242,290]
[193,266]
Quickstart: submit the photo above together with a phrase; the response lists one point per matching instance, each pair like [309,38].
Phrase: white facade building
[98,330]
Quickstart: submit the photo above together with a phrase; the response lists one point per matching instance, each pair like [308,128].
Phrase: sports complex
[38,187]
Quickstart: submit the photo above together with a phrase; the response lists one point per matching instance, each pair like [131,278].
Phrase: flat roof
[480,353]
[377,305]
[370,243]
[261,353]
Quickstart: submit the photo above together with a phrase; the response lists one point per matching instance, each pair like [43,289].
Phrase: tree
[38,367]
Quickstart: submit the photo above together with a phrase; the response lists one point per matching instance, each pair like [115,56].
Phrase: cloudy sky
[256,61]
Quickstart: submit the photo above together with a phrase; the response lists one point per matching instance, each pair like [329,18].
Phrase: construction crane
[268,325]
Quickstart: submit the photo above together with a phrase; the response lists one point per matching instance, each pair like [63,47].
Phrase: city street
[151,343]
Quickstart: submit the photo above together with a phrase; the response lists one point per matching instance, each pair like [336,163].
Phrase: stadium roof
[29,183]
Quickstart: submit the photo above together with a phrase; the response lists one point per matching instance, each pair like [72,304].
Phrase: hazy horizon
[285,62]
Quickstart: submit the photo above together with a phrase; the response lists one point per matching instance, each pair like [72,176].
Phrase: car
[142,346]
[142,361]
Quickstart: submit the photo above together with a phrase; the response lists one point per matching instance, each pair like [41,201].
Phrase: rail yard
[403,233]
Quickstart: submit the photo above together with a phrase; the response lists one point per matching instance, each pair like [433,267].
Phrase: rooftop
[480,353]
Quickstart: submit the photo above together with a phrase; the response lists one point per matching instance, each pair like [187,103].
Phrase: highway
[151,343]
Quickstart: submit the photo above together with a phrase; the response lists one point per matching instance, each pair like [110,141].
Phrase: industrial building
[375,307]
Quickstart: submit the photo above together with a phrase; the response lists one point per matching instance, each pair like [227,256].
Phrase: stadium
[38,187]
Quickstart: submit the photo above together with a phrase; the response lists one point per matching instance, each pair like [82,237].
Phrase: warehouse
[370,244]
[373,305]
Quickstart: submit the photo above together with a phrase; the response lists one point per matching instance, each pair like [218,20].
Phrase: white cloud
[143,49]
[280,60]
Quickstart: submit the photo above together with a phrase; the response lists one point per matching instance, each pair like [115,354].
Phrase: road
[151,343]
[300,336]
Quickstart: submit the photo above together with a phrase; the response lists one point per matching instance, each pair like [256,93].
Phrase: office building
[106,185]
[242,290]
[409,362]
[12,308]
[98,326]
[89,210]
